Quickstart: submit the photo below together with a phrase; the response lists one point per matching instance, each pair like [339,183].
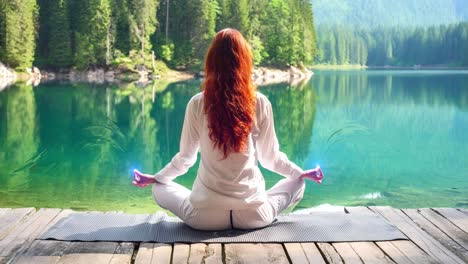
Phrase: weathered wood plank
[413,252]
[4,211]
[150,253]
[123,254]
[42,247]
[463,210]
[347,253]
[214,254]
[370,253]
[181,253]
[393,252]
[456,217]
[202,253]
[89,252]
[312,253]
[455,233]
[417,235]
[255,253]
[162,253]
[197,252]
[330,253]
[11,218]
[296,253]
[436,233]
[145,253]
[23,234]
[43,251]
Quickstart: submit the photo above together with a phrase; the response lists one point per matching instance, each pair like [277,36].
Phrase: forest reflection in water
[378,135]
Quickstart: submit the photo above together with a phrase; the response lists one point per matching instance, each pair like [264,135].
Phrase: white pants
[175,198]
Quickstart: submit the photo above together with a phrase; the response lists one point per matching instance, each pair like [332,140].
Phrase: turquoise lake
[397,138]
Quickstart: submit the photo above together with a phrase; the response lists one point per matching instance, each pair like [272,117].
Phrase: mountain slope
[384,13]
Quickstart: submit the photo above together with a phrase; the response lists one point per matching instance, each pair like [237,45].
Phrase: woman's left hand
[142,180]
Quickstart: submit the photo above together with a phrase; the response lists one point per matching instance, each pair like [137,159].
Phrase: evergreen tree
[204,26]
[18,32]
[92,21]
[143,23]
[58,41]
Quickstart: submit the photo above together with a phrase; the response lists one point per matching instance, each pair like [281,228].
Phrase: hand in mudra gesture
[142,180]
[314,174]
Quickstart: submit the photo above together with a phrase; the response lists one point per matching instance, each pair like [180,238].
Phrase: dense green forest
[59,34]
[370,14]
[397,33]
[435,45]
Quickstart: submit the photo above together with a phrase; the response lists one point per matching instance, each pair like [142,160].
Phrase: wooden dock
[437,235]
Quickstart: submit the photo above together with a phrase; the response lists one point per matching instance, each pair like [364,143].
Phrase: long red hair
[229,94]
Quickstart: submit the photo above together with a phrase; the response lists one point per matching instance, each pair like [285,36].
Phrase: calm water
[394,138]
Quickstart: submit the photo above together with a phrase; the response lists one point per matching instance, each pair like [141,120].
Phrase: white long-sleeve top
[235,182]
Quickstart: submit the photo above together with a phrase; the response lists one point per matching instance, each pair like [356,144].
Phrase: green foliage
[97,33]
[258,50]
[167,51]
[399,47]
[18,32]
[365,14]
[142,21]
[54,43]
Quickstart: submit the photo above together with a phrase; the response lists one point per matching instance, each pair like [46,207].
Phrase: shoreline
[260,76]
[386,67]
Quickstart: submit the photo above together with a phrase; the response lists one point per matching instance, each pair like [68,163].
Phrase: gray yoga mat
[316,227]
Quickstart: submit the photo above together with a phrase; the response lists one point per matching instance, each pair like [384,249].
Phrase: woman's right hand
[142,180]
[313,174]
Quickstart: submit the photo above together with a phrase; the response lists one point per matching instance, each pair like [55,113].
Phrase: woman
[232,126]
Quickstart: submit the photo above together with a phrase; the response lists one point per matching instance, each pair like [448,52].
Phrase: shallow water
[394,138]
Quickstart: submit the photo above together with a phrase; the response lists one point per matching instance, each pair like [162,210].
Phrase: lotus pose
[232,126]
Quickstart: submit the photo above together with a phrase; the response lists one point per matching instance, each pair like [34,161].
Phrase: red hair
[229,94]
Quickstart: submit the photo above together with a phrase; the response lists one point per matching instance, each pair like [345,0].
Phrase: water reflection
[382,138]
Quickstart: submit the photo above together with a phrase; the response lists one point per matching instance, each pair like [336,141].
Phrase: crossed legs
[175,198]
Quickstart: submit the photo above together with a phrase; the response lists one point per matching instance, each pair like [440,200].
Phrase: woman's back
[233,128]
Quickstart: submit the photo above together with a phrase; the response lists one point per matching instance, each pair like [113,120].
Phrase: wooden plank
[43,252]
[145,253]
[255,253]
[202,253]
[456,217]
[330,253]
[437,233]
[162,253]
[460,236]
[11,218]
[23,234]
[394,252]
[181,253]
[347,253]
[463,210]
[370,253]
[25,247]
[3,211]
[312,253]
[417,235]
[150,253]
[197,253]
[296,253]
[89,252]
[123,254]
[413,252]
[214,254]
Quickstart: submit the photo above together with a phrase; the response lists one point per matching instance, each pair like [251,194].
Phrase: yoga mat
[316,227]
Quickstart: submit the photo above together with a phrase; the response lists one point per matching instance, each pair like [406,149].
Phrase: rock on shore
[7,76]
[265,76]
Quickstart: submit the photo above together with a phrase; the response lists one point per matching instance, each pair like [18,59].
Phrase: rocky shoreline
[260,76]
